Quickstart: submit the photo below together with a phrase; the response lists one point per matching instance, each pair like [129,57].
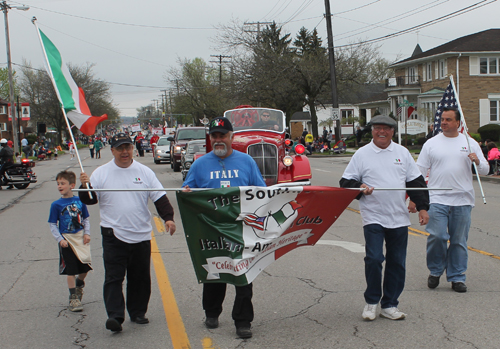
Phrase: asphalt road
[310,298]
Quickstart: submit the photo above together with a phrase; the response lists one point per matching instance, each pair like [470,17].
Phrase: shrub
[476,136]
[490,131]
[31,138]
[421,140]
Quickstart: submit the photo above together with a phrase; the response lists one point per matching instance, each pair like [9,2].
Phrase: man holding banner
[383,163]
[448,157]
[225,167]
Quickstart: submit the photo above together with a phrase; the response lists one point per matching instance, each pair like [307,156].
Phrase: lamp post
[5,8]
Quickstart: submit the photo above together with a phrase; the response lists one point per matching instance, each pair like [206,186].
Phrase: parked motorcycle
[19,175]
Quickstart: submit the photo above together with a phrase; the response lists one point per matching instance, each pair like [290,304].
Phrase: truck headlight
[187,165]
[288,161]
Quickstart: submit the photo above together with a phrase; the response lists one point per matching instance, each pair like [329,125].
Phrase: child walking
[70,226]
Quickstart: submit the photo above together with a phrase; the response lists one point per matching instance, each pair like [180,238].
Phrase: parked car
[179,141]
[162,150]
[266,142]
[194,149]
[146,146]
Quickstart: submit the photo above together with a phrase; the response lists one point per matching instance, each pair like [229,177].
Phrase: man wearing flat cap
[126,229]
[225,167]
[385,164]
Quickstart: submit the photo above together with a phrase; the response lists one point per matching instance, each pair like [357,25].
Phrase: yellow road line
[172,314]
[416,232]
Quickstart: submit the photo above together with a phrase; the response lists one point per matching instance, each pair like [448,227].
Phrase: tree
[313,73]
[36,88]
[200,93]
[4,84]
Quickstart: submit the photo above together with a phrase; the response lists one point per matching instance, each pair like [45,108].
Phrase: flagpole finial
[33,20]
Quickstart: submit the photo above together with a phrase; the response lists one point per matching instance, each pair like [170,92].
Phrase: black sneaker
[113,325]
[433,281]
[459,287]
[212,322]
[244,332]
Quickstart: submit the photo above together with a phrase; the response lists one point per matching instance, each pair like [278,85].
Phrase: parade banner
[234,233]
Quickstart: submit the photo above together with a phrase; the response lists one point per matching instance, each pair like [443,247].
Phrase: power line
[122,23]
[423,25]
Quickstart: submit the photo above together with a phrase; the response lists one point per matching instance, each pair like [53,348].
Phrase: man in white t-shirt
[126,229]
[448,159]
[385,164]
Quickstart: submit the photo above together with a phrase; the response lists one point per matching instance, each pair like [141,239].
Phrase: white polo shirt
[383,168]
[126,212]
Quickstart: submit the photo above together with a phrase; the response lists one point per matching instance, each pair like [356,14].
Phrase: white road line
[350,246]
[320,170]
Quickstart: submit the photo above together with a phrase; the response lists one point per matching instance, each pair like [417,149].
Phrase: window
[2,109]
[488,65]
[3,126]
[412,75]
[346,114]
[494,111]
[442,68]
[428,72]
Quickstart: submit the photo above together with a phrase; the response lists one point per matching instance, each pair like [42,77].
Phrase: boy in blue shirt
[70,226]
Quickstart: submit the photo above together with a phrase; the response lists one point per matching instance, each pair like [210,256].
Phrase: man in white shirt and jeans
[448,160]
[385,164]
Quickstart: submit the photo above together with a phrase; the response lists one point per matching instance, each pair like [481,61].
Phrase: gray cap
[383,120]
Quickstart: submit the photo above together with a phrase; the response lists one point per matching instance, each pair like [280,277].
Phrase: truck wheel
[156,161]
[177,167]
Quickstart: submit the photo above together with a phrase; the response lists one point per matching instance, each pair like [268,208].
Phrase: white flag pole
[51,76]
[466,130]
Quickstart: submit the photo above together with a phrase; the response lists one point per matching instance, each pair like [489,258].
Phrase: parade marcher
[233,169]
[126,229]
[447,159]
[91,148]
[97,148]
[385,164]
[70,226]
[71,150]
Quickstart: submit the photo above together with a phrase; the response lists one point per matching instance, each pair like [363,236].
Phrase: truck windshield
[190,134]
[256,119]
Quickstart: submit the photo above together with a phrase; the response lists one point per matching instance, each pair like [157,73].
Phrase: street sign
[406,103]
[335,114]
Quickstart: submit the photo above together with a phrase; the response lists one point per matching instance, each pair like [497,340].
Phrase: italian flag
[70,95]
[234,233]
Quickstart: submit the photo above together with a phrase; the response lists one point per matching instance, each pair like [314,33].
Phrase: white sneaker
[392,313]
[369,312]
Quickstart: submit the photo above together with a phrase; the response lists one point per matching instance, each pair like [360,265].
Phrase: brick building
[421,79]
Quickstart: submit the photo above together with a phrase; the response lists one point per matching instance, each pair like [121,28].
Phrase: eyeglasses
[265,115]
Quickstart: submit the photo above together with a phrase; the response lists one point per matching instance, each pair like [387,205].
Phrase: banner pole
[466,130]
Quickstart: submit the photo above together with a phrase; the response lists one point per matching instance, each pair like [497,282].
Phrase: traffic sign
[335,113]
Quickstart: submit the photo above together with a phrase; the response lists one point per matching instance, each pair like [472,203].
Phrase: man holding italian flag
[225,167]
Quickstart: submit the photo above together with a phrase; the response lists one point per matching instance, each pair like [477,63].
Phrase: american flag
[448,101]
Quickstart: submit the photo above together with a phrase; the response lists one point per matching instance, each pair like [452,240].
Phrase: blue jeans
[396,242]
[448,223]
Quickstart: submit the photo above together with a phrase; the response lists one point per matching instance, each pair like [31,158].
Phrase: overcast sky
[136,42]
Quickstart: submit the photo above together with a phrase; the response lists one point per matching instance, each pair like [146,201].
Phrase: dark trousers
[213,297]
[134,261]
[396,242]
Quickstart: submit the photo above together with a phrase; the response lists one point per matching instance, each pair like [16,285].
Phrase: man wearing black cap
[385,164]
[126,229]
[225,167]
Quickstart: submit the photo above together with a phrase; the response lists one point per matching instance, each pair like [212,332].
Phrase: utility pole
[258,24]
[221,57]
[333,79]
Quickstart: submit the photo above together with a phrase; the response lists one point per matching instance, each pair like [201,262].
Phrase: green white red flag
[234,233]
[70,95]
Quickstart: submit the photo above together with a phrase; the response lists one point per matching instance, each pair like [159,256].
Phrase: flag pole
[51,76]
[467,136]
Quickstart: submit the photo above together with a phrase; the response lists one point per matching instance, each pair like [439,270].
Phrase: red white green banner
[234,233]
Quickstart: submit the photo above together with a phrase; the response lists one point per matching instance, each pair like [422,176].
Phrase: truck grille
[266,157]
